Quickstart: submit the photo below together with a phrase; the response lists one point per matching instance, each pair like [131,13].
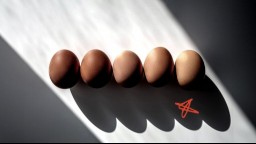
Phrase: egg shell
[96,69]
[64,69]
[190,69]
[127,69]
[158,67]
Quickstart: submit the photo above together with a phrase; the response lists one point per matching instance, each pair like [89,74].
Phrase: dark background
[224,32]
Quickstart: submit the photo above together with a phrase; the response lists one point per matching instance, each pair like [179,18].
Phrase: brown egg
[158,67]
[64,69]
[96,69]
[190,69]
[127,69]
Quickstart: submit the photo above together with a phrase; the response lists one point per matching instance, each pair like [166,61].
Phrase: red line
[185,108]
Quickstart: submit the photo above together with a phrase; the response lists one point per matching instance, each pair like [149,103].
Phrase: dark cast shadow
[134,106]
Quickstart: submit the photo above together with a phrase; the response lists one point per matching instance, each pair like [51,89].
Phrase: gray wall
[30,111]
[225,32]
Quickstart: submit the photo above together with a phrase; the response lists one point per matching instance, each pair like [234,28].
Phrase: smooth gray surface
[30,111]
[225,33]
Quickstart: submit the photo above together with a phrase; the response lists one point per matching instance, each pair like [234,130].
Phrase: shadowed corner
[134,106]
[30,111]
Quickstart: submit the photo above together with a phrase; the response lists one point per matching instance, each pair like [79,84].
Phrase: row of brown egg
[96,69]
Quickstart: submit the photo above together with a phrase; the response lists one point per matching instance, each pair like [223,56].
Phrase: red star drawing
[185,108]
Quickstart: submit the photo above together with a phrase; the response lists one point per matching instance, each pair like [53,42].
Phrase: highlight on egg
[96,69]
[127,69]
[158,67]
[190,69]
[64,69]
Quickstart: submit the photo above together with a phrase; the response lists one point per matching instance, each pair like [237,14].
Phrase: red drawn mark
[185,108]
